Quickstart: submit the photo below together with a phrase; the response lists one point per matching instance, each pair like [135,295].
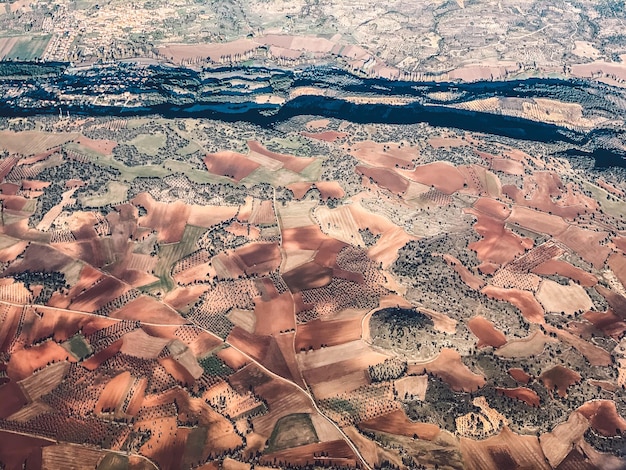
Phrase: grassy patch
[128,173]
[292,431]
[77,346]
[295,145]
[194,447]
[169,254]
[277,178]
[113,462]
[115,193]
[194,174]
[188,149]
[610,204]
[214,366]
[149,143]
[29,48]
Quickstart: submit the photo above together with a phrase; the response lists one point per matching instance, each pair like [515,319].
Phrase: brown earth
[504,451]
[531,309]
[519,375]
[230,164]
[559,379]
[524,394]
[313,334]
[603,417]
[441,175]
[450,369]
[397,422]
[486,332]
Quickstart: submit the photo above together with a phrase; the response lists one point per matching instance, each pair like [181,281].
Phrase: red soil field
[467,276]
[285,345]
[616,301]
[486,332]
[274,316]
[507,450]
[97,359]
[385,178]
[140,344]
[510,167]
[96,252]
[230,164]
[12,399]
[18,450]
[531,310]
[103,292]
[241,230]
[477,181]
[213,51]
[262,257]
[168,220]
[113,393]
[308,276]
[25,361]
[498,245]
[450,369]
[620,242]
[290,162]
[326,136]
[330,189]
[39,257]
[13,203]
[559,378]
[97,145]
[488,268]
[587,244]
[327,253]
[594,354]
[9,189]
[447,142]
[177,370]
[492,207]
[313,334]
[207,216]
[9,254]
[181,297]
[537,221]
[299,189]
[609,187]
[387,155]
[524,394]
[603,417]
[617,263]
[397,422]
[441,175]
[607,322]
[147,309]
[519,375]
[562,268]
[303,238]
[233,358]
[337,453]
[262,348]
[58,324]
[74,183]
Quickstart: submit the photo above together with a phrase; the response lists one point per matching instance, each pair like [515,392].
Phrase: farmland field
[312,235]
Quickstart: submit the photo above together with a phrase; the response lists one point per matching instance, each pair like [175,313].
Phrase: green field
[610,204]
[169,254]
[292,431]
[128,173]
[29,48]
[149,143]
[116,192]
[77,346]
